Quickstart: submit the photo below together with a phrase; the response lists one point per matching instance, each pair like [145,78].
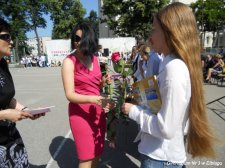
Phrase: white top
[162,135]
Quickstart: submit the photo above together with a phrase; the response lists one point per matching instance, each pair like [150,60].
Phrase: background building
[104,31]
[208,43]
[32,43]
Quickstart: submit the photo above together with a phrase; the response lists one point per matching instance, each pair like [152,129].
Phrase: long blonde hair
[180,29]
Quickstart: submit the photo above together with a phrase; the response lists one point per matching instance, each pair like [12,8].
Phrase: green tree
[65,14]
[94,21]
[210,16]
[24,15]
[131,18]
[34,12]
[14,12]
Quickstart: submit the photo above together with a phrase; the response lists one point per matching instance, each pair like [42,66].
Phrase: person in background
[82,80]
[136,64]
[99,53]
[175,35]
[144,51]
[12,149]
[133,53]
[153,63]
[216,69]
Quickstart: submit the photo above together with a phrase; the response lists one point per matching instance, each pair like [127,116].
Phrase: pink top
[87,82]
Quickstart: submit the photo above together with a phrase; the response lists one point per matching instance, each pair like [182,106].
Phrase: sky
[87,4]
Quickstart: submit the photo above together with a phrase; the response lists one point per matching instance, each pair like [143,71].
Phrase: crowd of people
[38,61]
[179,127]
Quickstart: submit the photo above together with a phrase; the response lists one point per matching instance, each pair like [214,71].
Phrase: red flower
[115,57]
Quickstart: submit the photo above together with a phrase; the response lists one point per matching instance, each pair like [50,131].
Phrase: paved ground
[49,141]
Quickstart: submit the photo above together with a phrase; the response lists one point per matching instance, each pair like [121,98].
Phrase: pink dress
[87,121]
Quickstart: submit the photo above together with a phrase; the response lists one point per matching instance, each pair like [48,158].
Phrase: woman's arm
[68,83]
[175,93]
[14,115]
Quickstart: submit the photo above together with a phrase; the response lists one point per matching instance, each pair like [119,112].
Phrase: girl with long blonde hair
[175,35]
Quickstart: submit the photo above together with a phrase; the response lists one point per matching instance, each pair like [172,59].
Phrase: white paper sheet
[39,110]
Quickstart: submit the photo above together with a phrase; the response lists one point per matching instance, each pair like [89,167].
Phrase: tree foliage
[94,21]
[65,14]
[129,17]
[14,12]
[210,15]
[34,12]
[24,15]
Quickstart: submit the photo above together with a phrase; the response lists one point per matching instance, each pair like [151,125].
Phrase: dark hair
[4,26]
[89,42]
[99,47]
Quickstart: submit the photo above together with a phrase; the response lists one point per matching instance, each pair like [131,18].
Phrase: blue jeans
[147,162]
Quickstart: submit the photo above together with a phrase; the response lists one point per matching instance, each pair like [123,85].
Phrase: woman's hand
[107,79]
[126,108]
[106,103]
[16,115]
[36,116]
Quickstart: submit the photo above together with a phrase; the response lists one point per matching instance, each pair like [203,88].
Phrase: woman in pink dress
[82,80]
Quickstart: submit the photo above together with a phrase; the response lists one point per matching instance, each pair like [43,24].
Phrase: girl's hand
[126,108]
[16,115]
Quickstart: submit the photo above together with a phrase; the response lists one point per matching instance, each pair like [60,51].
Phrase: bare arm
[14,115]
[68,83]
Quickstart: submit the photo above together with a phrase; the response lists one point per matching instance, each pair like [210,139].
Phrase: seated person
[217,68]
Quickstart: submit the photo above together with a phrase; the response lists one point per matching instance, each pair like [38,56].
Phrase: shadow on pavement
[125,154]
[64,155]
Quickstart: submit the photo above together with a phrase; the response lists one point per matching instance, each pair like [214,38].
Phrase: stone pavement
[49,141]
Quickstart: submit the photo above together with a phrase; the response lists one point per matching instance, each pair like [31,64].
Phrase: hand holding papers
[39,110]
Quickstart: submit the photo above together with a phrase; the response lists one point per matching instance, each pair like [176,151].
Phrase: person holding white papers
[12,149]
[175,35]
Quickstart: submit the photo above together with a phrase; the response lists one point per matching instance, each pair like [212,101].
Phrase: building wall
[32,42]
[188,2]
[104,31]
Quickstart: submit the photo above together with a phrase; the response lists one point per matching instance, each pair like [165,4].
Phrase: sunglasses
[5,37]
[77,38]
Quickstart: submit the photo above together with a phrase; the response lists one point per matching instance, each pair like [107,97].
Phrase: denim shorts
[147,162]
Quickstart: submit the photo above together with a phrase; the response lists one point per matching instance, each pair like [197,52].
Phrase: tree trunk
[203,44]
[214,40]
[16,50]
[38,41]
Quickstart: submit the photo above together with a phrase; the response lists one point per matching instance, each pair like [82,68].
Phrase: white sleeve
[167,120]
